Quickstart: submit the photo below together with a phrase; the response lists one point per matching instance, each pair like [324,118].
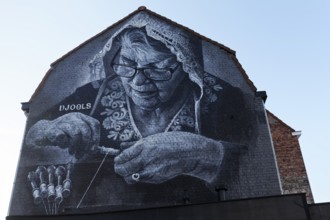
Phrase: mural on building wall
[152,128]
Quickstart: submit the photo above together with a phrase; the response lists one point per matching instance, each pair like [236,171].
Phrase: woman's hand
[75,131]
[161,157]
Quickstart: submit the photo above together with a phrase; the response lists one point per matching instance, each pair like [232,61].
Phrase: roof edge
[245,75]
[282,122]
[231,52]
[188,29]
[143,8]
[95,36]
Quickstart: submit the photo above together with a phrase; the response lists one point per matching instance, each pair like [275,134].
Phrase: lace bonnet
[185,46]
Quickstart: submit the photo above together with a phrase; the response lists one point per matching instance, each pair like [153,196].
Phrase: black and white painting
[150,128]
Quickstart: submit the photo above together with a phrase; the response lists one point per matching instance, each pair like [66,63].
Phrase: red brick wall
[289,158]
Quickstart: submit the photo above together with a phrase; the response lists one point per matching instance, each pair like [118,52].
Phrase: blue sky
[282,45]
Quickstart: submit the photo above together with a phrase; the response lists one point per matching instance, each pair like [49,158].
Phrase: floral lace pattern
[185,119]
[117,120]
[211,89]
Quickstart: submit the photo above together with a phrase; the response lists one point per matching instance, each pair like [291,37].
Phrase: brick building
[290,162]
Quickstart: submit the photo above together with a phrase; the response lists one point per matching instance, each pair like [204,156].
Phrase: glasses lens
[124,71]
[158,74]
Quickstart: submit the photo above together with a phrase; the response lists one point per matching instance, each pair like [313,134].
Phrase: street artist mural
[148,126]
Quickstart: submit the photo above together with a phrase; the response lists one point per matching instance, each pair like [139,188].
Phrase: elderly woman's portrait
[151,128]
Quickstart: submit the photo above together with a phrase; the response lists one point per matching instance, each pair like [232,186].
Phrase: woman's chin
[146,103]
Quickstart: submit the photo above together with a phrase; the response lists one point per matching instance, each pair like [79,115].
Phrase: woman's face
[147,93]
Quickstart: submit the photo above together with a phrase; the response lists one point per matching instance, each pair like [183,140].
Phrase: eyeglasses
[157,74]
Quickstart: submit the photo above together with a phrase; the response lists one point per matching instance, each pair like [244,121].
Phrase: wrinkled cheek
[165,96]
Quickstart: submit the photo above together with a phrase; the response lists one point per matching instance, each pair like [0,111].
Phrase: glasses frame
[147,75]
[136,69]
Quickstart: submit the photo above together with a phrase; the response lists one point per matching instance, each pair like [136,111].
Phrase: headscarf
[185,46]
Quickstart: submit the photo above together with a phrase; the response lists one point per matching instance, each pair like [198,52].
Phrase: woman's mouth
[144,94]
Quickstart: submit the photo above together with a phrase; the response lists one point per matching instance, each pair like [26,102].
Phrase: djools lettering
[75,107]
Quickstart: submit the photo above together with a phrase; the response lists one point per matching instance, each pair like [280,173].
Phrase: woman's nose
[140,78]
